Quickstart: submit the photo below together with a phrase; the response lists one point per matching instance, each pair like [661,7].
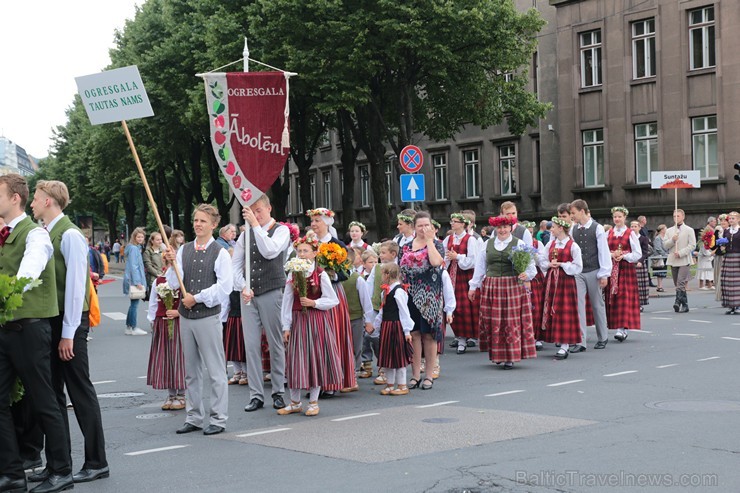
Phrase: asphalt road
[654,413]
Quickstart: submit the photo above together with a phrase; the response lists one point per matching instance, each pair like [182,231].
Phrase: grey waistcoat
[266,275]
[518,232]
[586,239]
[199,273]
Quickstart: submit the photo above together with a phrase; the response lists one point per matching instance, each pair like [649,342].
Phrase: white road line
[643,331]
[701,321]
[142,377]
[104,381]
[437,404]
[663,311]
[661,318]
[356,417]
[115,315]
[620,373]
[254,434]
[564,383]
[735,324]
[667,366]
[505,393]
[732,338]
[690,335]
[707,359]
[161,449]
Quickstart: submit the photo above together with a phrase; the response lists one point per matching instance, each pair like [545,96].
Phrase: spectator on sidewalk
[116,250]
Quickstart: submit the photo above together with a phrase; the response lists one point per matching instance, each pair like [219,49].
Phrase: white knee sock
[401,376]
[239,367]
[565,347]
[314,394]
[295,395]
[390,375]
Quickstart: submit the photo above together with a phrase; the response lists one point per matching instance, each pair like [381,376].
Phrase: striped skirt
[730,280]
[312,359]
[643,285]
[343,333]
[166,368]
[718,261]
[234,340]
[395,351]
[506,330]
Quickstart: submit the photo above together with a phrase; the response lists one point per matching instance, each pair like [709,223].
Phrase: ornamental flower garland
[168,297]
[299,267]
[333,257]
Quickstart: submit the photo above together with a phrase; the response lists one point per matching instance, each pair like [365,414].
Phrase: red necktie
[4,233]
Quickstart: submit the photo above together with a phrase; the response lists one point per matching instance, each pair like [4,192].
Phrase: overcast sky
[44,45]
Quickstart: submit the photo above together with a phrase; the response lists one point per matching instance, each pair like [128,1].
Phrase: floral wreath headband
[460,217]
[622,209]
[321,211]
[722,217]
[502,221]
[528,224]
[362,227]
[561,222]
[436,224]
[406,219]
[310,239]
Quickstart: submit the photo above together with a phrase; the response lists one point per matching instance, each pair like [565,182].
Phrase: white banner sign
[675,179]
[114,95]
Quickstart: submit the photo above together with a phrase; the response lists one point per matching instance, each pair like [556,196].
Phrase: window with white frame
[364,186]
[643,49]
[507,169]
[704,146]
[312,185]
[471,163]
[325,139]
[593,158]
[701,38]
[327,189]
[439,163]
[590,43]
[389,180]
[646,151]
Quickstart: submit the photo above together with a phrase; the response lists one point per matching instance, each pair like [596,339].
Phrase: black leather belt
[18,325]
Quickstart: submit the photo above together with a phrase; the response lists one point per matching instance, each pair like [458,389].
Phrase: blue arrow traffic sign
[412,188]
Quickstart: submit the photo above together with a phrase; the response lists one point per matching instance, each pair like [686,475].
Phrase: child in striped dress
[395,324]
[312,358]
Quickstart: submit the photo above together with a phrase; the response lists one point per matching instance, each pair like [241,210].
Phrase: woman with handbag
[134,280]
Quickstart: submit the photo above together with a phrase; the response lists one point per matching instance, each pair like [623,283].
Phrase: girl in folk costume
[730,278]
[641,267]
[505,310]
[705,258]
[719,232]
[561,259]
[311,361]
[620,294]
[234,340]
[537,290]
[405,228]
[321,220]
[461,250]
[356,231]
[395,325]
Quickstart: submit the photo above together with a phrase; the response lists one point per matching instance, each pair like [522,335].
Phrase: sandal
[414,383]
[387,390]
[168,403]
[424,386]
[235,379]
[401,390]
[178,403]
[243,380]
[313,409]
[293,407]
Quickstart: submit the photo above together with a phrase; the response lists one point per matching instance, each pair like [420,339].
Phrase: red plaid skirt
[395,351]
[506,320]
[560,323]
[623,308]
[537,295]
[234,340]
[465,322]
[343,331]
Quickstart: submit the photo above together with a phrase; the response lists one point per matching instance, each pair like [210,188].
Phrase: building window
[591,58]
[439,162]
[325,139]
[643,49]
[701,38]
[507,167]
[389,180]
[646,151]
[364,186]
[704,145]
[535,73]
[593,158]
[312,179]
[471,162]
[327,189]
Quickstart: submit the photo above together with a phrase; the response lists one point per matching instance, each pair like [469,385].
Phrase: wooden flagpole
[247,226]
[151,201]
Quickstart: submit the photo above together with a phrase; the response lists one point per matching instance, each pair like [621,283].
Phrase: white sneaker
[128,331]
[138,332]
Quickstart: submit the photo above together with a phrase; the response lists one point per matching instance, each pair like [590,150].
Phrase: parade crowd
[308,314]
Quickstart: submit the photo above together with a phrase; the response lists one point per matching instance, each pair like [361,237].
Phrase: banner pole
[151,200]
[675,208]
[247,227]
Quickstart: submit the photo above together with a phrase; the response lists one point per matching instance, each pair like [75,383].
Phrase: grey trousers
[263,313]
[203,344]
[358,329]
[680,276]
[588,284]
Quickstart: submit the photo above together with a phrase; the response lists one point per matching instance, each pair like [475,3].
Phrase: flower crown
[295,231]
[358,224]
[460,217]
[321,211]
[406,219]
[622,209]
[309,239]
[436,224]
[502,221]
[561,222]
[722,217]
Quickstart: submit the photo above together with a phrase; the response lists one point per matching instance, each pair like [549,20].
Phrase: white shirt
[326,238]
[465,261]
[571,268]
[352,244]
[602,248]
[636,254]
[327,301]
[481,267]
[402,300]
[448,293]
[38,251]
[74,250]
[216,294]
[365,300]
[268,247]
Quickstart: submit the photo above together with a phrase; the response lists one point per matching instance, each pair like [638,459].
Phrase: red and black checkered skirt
[643,285]
[312,359]
[343,332]
[395,351]
[506,330]
[234,340]
[166,368]
[623,307]
[465,322]
[537,295]
[730,280]
[560,321]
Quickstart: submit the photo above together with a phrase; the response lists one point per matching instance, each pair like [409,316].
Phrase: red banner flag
[249,114]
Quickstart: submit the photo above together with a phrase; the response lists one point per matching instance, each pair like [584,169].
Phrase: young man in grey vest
[508,209]
[597,268]
[261,304]
[206,273]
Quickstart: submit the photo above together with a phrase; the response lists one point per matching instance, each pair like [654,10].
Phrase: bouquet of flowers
[708,239]
[722,243]
[11,298]
[376,247]
[168,297]
[333,257]
[299,267]
[521,256]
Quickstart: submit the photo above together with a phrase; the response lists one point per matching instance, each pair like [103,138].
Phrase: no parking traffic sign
[411,159]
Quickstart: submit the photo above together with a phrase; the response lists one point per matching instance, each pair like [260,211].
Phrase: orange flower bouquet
[333,257]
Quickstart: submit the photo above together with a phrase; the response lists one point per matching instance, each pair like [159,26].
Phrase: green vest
[353,297]
[376,288]
[498,264]
[41,301]
[60,266]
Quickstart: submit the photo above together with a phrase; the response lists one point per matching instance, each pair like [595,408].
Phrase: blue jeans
[132,312]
